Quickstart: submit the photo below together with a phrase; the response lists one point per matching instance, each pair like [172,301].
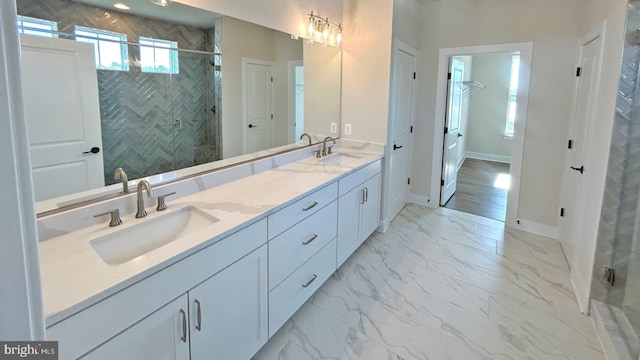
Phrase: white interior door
[577,167]
[402,113]
[258,86]
[60,89]
[452,131]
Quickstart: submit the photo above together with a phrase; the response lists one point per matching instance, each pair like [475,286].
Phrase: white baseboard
[581,291]
[538,229]
[420,200]
[488,157]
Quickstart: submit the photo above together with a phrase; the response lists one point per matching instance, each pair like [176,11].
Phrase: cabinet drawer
[293,247]
[287,297]
[349,182]
[301,209]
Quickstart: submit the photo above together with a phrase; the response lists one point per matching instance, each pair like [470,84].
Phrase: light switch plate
[334,128]
[347,129]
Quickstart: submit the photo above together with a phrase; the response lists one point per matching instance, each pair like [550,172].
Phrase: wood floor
[476,193]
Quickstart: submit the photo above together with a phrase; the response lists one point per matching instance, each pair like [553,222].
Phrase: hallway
[441,284]
[480,189]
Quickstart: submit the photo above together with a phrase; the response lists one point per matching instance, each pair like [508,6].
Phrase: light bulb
[339,36]
[162,2]
[326,30]
[311,25]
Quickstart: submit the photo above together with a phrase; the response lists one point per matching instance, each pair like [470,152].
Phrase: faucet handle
[317,152]
[115,217]
[161,203]
[329,152]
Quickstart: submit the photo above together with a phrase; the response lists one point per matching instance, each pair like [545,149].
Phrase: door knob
[396,147]
[581,169]
[252,126]
[94,150]
[459,135]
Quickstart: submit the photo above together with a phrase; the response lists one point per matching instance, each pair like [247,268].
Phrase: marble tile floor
[442,284]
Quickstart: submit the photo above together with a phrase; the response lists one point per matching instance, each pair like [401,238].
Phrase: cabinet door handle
[184,326]
[199,316]
[315,236]
[366,195]
[310,281]
[310,206]
[362,197]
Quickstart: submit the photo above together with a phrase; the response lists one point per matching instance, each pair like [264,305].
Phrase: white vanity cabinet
[163,335]
[225,317]
[227,279]
[358,209]
[228,313]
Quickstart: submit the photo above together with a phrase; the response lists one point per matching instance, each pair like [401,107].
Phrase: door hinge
[449,76]
[561,212]
[408,181]
[414,75]
[441,182]
[446,130]
[578,71]
[610,276]
[411,129]
[271,116]
[272,79]
[570,145]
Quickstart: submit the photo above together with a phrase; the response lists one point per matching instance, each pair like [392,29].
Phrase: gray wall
[138,109]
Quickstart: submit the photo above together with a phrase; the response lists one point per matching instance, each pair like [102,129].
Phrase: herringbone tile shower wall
[617,233]
[138,110]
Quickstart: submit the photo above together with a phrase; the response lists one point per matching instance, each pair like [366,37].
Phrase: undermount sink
[127,244]
[338,158]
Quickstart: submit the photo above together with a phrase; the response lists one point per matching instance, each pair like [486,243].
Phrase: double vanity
[218,272]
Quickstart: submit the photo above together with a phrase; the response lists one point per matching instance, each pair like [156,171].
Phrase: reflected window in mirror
[37,27]
[109,47]
[156,56]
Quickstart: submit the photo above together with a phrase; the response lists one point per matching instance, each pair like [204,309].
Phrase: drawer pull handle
[310,206]
[199,315]
[310,281]
[184,326]
[310,240]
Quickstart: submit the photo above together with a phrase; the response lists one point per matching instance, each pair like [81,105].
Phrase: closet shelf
[471,87]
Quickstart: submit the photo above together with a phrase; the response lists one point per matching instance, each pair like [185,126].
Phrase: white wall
[406,17]
[488,107]
[322,72]
[366,68]
[553,27]
[289,16]
[21,311]
[241,39]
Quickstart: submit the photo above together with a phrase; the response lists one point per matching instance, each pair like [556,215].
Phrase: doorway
[484,143]
[481,109]
[257,91]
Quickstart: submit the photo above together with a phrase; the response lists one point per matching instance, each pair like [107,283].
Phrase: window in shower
[110,48]
[157,56]
[37,27]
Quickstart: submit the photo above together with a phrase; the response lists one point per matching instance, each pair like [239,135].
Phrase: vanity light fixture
[121,6]
[162,2]
[318,25]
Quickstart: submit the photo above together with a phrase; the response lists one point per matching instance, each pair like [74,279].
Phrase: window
[110,51]
[513,96]
[156,56]
[37,27]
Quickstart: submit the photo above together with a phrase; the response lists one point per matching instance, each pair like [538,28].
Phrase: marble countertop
[74,276]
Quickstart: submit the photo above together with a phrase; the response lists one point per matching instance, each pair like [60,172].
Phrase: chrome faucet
[324,145]
[141,211]
[122,176]
[308,136]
